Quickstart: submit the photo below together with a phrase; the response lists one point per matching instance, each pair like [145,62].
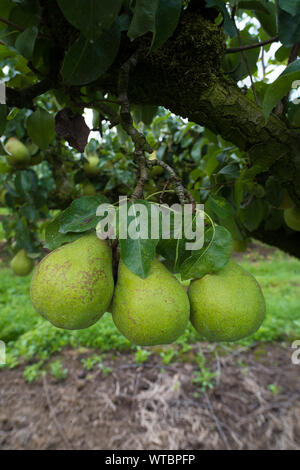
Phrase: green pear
[292,218]
[91,166]
[88,189]
[228,305]
[72,286]
[21,264]
[286,202]
[18,153]
[150,311]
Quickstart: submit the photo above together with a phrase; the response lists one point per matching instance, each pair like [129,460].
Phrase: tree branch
[23,98]
[251,46]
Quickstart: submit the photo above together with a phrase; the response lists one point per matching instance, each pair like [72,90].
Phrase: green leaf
[137,253]
[234,64]
[41,128]
[228,23]
[54,239]
[252,216]
[232,170]
[26,183]
[281,87]
[80,216]
[91,17]
[220,206]
[252,5]
[25,42]
[268,21]
[290,6]
[143,19]
[166,20]
[211,258]
[30,213]
[3,120]
[87,60]
[288,28]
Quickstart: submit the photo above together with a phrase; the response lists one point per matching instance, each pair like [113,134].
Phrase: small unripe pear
[292,218]
[72,287]
[150,311]
[91,167]
[18,153]
[228,305]
[21,264]
[88,189]
[287,202]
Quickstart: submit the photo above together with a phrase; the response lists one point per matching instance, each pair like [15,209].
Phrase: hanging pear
[292,218]
[73,286]
[21,264]
[150,311]
[91,166]
[228,305]
[18,153]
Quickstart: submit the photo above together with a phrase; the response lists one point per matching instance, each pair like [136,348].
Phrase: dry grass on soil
[142,406]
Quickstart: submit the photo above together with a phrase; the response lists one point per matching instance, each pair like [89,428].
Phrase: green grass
[30,336]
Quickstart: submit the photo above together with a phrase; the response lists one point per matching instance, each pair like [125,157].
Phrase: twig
[10,23]
[179,189]
[53,415]
[163,191]
[140,143]
[218,424]
[251,46]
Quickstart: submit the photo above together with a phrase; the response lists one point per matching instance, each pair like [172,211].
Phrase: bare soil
[152,406]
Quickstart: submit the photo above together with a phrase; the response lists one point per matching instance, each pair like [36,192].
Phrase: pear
[18,153]
[21,264]
[72,286]
[156,170]
[150,311]
[88,189]
[286,202]
[292,218]
[91,166]
[228,305]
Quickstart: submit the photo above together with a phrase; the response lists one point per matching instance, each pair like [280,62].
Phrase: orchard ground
[91,389]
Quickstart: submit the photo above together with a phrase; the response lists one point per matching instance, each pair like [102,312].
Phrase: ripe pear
[21,264]
[88,189]
[292,218]
[150,311]
[91,166]
[228,305]
[72,286]
[18,153]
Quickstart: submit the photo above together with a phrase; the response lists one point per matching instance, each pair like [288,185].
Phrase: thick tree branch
[24,98]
